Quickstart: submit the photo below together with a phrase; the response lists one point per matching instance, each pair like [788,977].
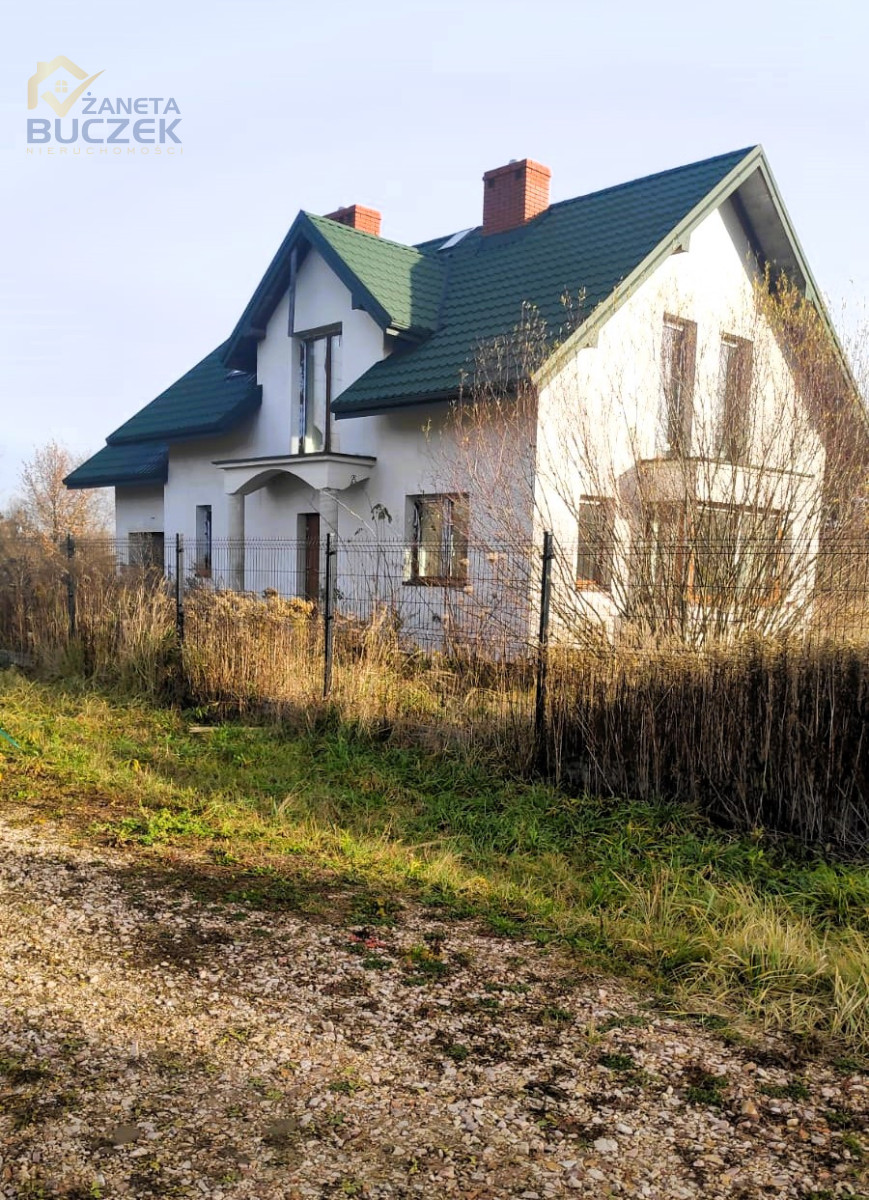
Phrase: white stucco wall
[606,398]
[138,510]
[600,412]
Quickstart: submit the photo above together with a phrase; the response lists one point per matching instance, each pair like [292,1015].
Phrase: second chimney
[357,216]
[514,194]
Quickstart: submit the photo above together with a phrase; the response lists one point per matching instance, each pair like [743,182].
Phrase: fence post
[70,586]
[329,613]
[542,645]
[179,586]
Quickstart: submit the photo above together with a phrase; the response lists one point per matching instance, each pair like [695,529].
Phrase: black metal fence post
[70,585]
[329,613]
[179,585]
[542,646]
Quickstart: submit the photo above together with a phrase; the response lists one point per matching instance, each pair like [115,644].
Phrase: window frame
[143,553]
[455,526]
[771,593]
[306,340]
[680,579]
[734,399]
[204,560]
[604,552]
[677,387]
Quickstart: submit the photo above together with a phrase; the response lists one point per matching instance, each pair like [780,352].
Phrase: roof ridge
[613,187]
[374,238]
[616,187]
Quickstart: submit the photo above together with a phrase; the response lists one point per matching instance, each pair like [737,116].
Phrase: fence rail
[735,676]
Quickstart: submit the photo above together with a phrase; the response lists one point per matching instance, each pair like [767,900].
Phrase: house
[607,367]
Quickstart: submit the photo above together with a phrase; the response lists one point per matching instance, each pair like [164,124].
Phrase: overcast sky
[117,273]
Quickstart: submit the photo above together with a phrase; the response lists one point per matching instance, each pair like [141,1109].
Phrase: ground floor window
[737,555]
[146,550]
[720,554]
[595,536]
[203,541]
[438,529]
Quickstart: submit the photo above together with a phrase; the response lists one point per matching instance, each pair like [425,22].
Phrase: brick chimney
[357,216]
[514,194]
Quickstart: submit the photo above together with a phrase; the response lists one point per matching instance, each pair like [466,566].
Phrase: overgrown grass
[324,815]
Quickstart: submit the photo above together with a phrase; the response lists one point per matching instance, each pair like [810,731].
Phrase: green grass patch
[324,817]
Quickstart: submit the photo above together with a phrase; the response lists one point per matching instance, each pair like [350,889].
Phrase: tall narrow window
[438,539]
[734,399]
[594,556]
[678,355]
[203,540]
[319,383]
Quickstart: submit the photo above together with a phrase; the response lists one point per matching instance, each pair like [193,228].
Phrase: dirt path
[153,1044]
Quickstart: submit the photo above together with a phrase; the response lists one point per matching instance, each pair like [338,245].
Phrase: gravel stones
[156,1045]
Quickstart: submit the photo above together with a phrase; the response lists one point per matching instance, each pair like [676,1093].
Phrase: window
[737,555]
[660,556]
[438,539]
[594,555]
[146,551]
[678,354]
[734,396]
[319,383]
[709,553]
[203,541]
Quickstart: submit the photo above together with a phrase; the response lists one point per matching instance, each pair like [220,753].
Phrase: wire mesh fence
[735,675]
[483,602]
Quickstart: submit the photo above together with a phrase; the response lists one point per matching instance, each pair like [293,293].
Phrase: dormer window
[319,370]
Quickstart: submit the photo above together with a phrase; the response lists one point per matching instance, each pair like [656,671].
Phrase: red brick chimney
[514,194]
[358,217]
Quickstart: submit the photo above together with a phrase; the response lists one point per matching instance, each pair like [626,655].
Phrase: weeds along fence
[699,676]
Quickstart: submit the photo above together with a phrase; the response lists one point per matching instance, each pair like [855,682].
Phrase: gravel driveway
[156,1044]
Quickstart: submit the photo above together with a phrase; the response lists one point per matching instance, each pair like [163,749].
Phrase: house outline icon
[43,71]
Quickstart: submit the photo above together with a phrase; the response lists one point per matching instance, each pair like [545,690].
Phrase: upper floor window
[438,539]
[594,556]
[319,375]
[678,355]
[734,398]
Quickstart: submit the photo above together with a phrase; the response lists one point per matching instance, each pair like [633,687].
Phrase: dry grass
[758,732]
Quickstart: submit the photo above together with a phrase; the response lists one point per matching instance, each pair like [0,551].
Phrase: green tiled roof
[123,464]
[400,287]
[406,283]
[208,399]
[583,246]
[445,302]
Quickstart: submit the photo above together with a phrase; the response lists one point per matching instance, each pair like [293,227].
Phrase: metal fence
[494,601]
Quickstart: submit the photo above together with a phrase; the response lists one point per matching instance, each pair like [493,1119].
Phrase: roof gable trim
[588,331]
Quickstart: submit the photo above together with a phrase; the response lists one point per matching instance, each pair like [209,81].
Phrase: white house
[332,405]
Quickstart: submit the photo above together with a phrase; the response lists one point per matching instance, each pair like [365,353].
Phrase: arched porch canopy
[321,472]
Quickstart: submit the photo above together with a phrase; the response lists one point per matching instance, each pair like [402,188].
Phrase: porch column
[329,510]
[235,529]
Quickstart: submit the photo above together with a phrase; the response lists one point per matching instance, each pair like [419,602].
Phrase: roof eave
[229,421]
[379,408]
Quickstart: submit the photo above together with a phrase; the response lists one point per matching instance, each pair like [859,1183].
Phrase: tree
[697,488]
[50,509]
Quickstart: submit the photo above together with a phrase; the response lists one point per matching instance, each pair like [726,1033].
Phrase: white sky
[117,274]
